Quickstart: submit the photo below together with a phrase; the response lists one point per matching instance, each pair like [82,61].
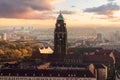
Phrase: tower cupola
[60,17]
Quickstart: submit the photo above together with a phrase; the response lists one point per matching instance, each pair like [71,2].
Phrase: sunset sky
[77,13]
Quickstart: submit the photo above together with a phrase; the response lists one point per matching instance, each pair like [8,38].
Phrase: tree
[25,52]
[13,54]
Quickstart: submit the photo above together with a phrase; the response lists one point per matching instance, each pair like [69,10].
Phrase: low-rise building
[46,74]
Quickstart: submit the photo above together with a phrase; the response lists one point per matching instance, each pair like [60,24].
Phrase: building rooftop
[99,66]
[104,59]
[46,50]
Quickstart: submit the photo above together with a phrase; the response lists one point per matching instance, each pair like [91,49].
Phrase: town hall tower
[60,36]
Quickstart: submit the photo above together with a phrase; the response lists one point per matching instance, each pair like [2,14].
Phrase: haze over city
[59,39]
[77,13]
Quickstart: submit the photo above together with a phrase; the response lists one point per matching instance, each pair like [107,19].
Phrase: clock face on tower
[58,25]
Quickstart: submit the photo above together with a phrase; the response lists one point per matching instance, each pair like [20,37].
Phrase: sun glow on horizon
[117,14]
[76,13]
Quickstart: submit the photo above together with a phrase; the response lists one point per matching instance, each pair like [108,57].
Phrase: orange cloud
[26,9]
[55,1]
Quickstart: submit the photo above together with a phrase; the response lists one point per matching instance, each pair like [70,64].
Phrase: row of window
[73,60]
[42,78]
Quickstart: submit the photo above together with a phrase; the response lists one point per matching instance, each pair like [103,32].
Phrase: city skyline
[28,53]
[77,13]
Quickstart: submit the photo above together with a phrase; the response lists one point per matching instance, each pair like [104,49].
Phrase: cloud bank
[107,9]
[26,9]
[66,12]
[111,0]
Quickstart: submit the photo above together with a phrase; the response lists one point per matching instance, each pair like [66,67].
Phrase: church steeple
[60,36]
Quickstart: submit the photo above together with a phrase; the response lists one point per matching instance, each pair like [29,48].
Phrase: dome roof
[60,17]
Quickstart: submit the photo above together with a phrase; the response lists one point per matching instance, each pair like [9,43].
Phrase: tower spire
[60,12]
[60,16]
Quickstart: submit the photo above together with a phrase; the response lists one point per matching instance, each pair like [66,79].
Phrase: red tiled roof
[97,59]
